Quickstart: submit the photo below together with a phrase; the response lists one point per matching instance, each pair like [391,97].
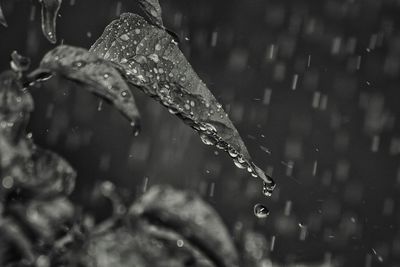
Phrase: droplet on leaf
[187,96]
[260,211]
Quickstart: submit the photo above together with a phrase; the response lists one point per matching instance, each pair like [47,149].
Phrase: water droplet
[8,182]
[210,127]
[268,188]
[260,211]
[136,128]
[180,243]
[238,164]
[155,58]
[207,140]
[233,153]
[172,111]
[124,93]
[240,159]
[124,37]
[78,64]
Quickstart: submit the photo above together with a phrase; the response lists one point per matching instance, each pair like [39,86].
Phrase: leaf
[152,9]
[99,76]
[165,227]
[190,217]
[150,59]
[50,10]
[2,18]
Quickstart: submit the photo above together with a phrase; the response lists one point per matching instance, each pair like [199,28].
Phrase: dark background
[331,140]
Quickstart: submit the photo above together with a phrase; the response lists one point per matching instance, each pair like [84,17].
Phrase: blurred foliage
[312,85]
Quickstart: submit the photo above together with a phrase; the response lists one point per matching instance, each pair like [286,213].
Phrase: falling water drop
[260,211]
[268,188]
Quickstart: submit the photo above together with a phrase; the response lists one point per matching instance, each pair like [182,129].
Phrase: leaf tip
[3,22]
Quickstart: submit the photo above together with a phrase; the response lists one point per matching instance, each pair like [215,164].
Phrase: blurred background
[312,86]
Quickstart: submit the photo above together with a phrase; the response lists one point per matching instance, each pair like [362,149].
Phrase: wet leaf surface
[150,59]
[152,9]
[97,75]
[50,10]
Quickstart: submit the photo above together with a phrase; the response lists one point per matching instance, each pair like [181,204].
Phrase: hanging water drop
[207,140]
[260,211]
[124,37]
[238,164]
[233,153]
[268,188]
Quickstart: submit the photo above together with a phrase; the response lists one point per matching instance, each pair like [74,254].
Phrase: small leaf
[50,10]
[152,9]
[190,217]
[150,59]
[100,76]
[2,18]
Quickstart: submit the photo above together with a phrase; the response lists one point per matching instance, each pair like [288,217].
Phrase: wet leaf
[99,76]
[2,18]
[50,10]
[150,59]
[188,217]
[152,9]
